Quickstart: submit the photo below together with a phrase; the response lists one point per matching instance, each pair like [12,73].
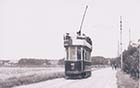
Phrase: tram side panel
[87,62]
[87,68]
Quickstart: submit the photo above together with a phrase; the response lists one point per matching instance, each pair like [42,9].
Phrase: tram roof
[79,40]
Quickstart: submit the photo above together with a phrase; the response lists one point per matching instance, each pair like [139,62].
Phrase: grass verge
[125,81]
[23,80]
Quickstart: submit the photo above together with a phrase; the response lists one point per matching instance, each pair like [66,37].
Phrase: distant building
[4,62]
[53,62]
[12,62]
[135,44]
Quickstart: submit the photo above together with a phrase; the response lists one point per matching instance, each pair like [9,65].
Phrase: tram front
[77,57]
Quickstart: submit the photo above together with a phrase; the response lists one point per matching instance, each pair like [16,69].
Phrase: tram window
[86,56]
[89,55]
[67,54]
[72,53]
[78,53]
[83,54]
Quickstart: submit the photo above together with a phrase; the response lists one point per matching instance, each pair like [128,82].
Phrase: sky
[35,28]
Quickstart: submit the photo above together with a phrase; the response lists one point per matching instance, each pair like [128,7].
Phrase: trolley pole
[121,50]
[79,32]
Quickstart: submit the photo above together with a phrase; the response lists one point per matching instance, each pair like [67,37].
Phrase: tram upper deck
[77,40]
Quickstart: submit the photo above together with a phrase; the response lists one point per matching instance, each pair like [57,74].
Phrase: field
[14,76]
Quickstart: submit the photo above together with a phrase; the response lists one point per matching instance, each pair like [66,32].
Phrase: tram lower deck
[77,69]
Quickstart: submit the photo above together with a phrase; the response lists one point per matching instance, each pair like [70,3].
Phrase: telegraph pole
[121,50]
[139,51]
[118,53]
[129,37]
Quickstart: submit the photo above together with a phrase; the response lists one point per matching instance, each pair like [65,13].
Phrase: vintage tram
[78,55]
[78,49]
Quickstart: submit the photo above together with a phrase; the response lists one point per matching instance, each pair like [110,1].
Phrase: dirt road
[103,78]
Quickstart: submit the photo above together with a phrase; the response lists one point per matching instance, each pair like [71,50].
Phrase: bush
[131,61]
